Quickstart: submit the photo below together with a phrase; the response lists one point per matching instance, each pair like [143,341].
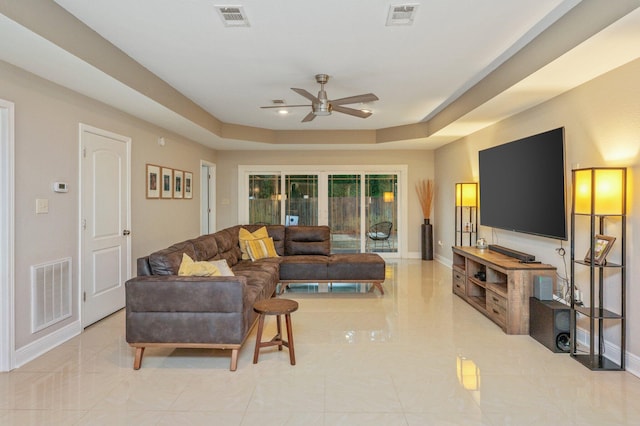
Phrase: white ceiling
[415,70]
[231,72]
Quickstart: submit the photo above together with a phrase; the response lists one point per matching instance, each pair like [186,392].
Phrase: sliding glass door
[264,199]
[381,212]
[301,204]
[361,207]
[345,212]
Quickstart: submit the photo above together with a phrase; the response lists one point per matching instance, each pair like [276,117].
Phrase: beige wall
[47,150]
[420,166]
[602,128]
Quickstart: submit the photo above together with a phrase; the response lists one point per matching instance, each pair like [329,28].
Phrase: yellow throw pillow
[197,269]
[244,236]
[223,266]
[260,249]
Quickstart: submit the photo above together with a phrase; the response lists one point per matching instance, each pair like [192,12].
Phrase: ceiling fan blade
[285,106]
[351,111]
[306,94]
[309,117]
[368,97]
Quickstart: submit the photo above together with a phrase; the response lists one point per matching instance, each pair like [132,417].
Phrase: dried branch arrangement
[424,188]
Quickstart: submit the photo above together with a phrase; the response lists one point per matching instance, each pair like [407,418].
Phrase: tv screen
[522,185]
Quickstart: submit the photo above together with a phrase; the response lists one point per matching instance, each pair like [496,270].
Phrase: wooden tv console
[503,296]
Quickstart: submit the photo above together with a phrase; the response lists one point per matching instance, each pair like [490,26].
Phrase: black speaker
[549,324]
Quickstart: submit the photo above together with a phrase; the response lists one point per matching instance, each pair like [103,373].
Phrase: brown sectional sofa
[165,309]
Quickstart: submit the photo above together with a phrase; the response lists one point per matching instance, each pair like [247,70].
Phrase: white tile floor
[361,359]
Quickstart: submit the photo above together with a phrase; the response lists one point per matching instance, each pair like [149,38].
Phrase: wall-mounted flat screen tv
[522,185]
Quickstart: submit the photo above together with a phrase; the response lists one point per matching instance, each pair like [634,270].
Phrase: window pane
[344,213]
[381,210]
[264,199]
[302,200]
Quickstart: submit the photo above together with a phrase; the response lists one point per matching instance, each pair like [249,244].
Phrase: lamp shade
[388,197]
[599,191]
[466,194]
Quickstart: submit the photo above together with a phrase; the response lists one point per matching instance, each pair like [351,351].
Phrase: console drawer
[459,286]
[497,308]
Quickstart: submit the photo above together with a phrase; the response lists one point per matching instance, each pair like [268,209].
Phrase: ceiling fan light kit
[322,106]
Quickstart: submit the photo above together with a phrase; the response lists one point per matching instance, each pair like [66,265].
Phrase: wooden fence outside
[344,212]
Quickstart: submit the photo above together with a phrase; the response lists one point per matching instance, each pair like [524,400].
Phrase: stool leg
[279,335]
[292,354]
[258,339]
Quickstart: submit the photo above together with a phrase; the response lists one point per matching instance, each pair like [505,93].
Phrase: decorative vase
[427,240]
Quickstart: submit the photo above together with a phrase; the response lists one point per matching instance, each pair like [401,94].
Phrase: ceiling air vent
[402,14]
[233,16]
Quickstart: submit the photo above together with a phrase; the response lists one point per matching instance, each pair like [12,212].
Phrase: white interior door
[105,241]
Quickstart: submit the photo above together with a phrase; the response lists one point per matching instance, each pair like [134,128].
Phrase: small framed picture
[167,183]
[178,183]
[603,244]
[153,181]
[188,185]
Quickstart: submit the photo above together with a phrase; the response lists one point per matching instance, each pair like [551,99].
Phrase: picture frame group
[168,183]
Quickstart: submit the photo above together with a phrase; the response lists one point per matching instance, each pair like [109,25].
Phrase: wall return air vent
[401,14]
[233,16]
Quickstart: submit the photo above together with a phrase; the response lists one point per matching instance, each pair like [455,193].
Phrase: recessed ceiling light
[283,111]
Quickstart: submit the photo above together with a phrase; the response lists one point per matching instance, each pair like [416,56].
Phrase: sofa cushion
[228,248]
[356,266]
[205,247]
[261,275]
[277,233]
[167,261]
[307,240]
[304,267]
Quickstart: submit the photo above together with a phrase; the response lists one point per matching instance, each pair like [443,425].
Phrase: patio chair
[380,232]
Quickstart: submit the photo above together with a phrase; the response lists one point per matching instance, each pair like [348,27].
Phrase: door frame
[7,235]
[208,193]
[82,128]
[244,171]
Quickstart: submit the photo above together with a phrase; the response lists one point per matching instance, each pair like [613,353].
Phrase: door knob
[126,232]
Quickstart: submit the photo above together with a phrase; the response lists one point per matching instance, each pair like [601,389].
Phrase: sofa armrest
[171,293]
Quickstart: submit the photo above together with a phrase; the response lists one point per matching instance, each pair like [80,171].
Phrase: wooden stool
[275,307]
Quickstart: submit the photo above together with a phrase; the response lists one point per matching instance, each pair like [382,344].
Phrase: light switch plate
[42,206]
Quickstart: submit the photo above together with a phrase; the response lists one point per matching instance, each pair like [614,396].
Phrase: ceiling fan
[321,105]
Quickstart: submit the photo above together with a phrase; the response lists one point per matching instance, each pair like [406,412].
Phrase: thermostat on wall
[60,187]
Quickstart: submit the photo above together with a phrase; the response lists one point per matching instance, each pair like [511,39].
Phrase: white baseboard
[445,261]
[632,364]
[35,349]
[436,257]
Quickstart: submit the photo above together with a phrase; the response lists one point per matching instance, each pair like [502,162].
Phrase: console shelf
[497,285]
